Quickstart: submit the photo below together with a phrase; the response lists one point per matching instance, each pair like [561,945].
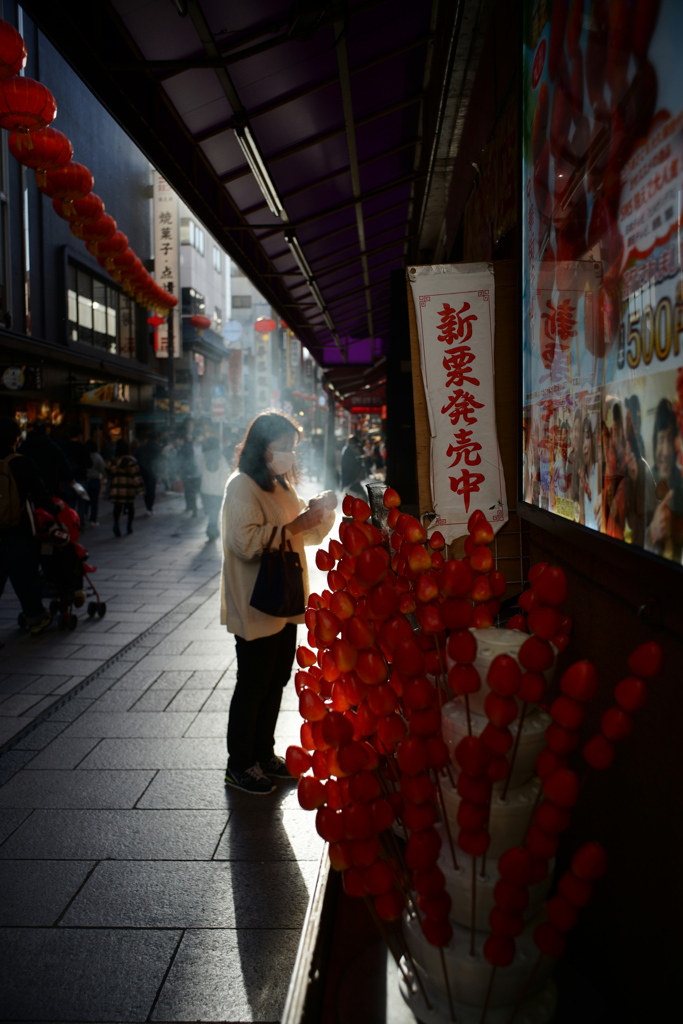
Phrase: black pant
[263,669]
[19,562]
[93,486]
[150,490]
[124,506]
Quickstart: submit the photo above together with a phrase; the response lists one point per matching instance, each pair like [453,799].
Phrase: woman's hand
[306,520]
[328,500]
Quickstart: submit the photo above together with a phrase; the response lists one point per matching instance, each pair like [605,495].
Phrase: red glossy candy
[417,817]
[540,845]
[311,793]
[418,693]
[536,570]
[358,822]
[499,741]
[551,586]
[437,753]
[382,700]
[551,819]
[344,655]
[391,730]
[517,622]
[472,817]
[437,541]
[567,712]
[474,843]
[647,660]
[371,667]
[549,941]
[311,707]
[417,788]
[481,559]
[599,752]
[298,760]
[547,763]
[575,889]
[337,730]
[562,914]
[476,790]
[580,681]
[436,908]
[631,693]
[347,504]
[504,676]
[353,881]
[532,687]
[456,579]
[463,679]
[427,588]
[425,723]
[473,756]
[320,767]
[561,741]
[364,787]
[482,532]
[431,624]
[390,905]
[515,866]
[336,581]
[429,883]
[391,498]
[352,757]
[499,769]
[562,788]
[498,583]
[527,600]
[382,814]
[514,899]
[412,756]
[304,657]
[544,621]
[340,855]
[505,923]
[462,646]
[437,933]
[456,613]
[499,950]
[616,724]
[379,877]
[481,591]
[327,626]
[422,850]
[589,862]
[408,658]
[501,711]
[306,736]
[329,825]
[536,655]
[481,617]
[560,641]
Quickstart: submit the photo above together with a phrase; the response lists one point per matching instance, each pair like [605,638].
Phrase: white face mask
[281,462]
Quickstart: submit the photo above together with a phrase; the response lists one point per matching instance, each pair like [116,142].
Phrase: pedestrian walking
[213,473]
[125,483]
[20,485]
[97,472]
[261,508]
[188,472]
[353,467]
[149,460]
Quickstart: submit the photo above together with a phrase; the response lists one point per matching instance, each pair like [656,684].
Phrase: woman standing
[261,503]
[126,483]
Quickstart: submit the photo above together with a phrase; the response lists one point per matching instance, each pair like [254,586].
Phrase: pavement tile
[186,788]
[11,819]
[152,700]
[85,974]
[46,684]
[10,726]
[136,679]
[41,665]
[190,894]
[43,734]
[13,761]
[208,723]
[188,700]
[171,680]
[125,724]
[19,703]
[71,709]
[218,701]
[279,836]
[203,680]
[117,835]
[64,752]
[68,788]
[190,663]
[122,700]
[36,892]
[157,753]
[229,976]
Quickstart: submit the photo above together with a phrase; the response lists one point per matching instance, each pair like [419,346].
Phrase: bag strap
[271,539]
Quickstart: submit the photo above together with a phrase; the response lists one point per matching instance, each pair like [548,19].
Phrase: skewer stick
[482,873]
[469,716]
[531,816]
[442,672]
[527,985]
[514,750]
[446,822]
[473,916]
[413,966]
[448,987]
[489,990]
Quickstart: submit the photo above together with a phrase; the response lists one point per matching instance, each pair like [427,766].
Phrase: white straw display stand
[508,818]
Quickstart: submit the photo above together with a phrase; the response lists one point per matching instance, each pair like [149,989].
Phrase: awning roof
[345,111]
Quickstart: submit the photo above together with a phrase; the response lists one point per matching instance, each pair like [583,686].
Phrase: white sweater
[248,516]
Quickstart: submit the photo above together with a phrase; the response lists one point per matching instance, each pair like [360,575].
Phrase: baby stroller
[65,571]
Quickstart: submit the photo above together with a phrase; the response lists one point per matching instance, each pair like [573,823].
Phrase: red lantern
[44,150]
[116,243]
[71,182]
[25,105]
[94,231]
[264,325]
[12,51]
[83,211]
[156,321]
[200,323]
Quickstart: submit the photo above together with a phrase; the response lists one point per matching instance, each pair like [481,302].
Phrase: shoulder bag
[279,587]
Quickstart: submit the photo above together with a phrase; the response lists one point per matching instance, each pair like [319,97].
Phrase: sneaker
[251,781]
[276,768]
[42,625]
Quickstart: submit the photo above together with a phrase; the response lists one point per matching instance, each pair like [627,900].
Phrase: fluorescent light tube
[258,169]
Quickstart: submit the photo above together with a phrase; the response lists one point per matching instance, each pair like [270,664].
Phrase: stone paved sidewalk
[135,887]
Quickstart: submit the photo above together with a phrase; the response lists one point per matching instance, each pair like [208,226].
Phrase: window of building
[99,314]
[218,318]
[193,302]
[217,261]
[241,302]
[191,234]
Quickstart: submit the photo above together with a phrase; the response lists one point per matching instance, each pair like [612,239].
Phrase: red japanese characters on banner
[455,317]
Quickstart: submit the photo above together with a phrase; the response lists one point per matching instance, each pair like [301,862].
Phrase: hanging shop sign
[167,260]
[20,378]
[102,393]
[455,312]
[602,161]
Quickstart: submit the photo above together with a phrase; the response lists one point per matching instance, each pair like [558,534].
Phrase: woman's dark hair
[122,448]
[632,437]
[9,431]
[665,419]
[251,452]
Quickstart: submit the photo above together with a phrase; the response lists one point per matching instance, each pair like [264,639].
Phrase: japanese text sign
[167,259]
[454,307]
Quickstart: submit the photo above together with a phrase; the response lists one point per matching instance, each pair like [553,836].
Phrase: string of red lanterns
[27,108]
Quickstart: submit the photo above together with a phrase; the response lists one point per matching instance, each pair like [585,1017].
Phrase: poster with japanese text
[602,174]
[455,313]
[167,259]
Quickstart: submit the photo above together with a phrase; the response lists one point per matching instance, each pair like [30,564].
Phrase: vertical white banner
[263,390]
[167,259]
[455,313]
